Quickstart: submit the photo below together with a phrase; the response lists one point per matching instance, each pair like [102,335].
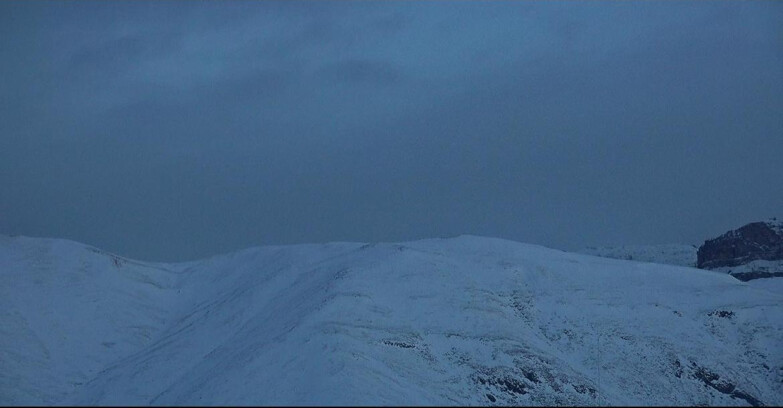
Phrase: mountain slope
[467,320]
[67,310]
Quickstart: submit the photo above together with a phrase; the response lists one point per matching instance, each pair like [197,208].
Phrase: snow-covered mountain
[466,321]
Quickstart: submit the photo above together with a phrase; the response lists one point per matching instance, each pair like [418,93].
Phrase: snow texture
[461,321]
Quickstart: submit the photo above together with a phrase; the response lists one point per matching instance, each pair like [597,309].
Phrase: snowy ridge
[669,254]
[468,321]
[760,272]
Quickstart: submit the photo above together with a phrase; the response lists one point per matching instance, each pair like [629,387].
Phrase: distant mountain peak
[752,251]
[761,240]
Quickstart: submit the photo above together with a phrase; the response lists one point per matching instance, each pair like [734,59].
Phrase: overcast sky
[178,130]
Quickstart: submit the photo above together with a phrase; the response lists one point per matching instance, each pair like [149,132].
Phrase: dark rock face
[755,241]
[714,381]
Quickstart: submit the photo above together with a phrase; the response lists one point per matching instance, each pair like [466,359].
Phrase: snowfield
[461,321]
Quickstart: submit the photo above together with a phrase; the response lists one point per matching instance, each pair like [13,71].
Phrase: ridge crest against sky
[177,130]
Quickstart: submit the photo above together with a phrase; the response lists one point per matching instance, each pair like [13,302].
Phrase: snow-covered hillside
[467,321]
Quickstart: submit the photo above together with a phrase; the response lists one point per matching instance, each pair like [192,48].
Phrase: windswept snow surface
[466,321]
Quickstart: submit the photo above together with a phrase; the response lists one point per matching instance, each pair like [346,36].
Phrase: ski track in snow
[466,321]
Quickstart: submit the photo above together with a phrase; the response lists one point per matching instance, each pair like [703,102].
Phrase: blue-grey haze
[173,130]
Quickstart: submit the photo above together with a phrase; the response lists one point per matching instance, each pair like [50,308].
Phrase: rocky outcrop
[752,242]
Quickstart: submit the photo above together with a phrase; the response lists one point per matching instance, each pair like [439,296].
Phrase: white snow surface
[461,321]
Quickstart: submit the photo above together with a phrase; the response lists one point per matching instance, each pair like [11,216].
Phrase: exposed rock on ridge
[757,241]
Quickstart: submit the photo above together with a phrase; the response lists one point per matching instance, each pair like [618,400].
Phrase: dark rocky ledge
[754,241]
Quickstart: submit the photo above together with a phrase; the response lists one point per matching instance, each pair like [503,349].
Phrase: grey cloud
[363,72]
[298,38]
[112,57]
[179,130]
